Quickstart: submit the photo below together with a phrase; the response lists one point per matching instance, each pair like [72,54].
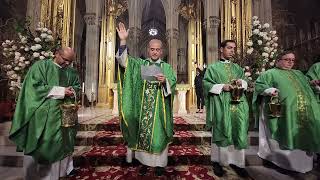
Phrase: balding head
[155,49]
[64,56]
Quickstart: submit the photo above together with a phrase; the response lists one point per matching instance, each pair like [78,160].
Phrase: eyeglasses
[288,60]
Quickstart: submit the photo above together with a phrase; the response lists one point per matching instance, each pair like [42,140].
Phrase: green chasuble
[229,122]
[145,113]
[314,74]
[36,126]
[299,124]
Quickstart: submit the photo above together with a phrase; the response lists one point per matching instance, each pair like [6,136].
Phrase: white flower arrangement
[262,49]
[32,47]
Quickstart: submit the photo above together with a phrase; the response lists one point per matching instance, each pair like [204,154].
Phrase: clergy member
[228,121]
[289,140]
[314,76]
[36,126]
[145,104]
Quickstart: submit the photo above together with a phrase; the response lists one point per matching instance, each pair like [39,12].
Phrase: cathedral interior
[191,31]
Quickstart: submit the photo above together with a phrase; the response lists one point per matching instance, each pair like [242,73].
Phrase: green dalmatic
[229,122]
[299,124]
[36,126]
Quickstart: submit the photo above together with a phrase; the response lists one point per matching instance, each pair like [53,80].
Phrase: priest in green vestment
[228,121]
[314,76]
[36,126]
[288,140]
[146,91]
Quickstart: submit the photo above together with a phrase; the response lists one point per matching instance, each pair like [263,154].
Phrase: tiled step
[109,138]
[9,157]
[180,124]
[178,155]
[171,172]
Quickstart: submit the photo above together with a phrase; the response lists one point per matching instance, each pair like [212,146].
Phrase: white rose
[268,43]
[35,54]
[249,51]
[275,50]
[34,48]
[42,52]
[9,66]
[37,39]
[49,32]
[247,74]
[263,70]
[275,38]
[266,25]
[257,72]
[246,67]
[14,47]
[255,18]
[22,58]
[42,57]
[250,78]
[11,88]
[16,69]
[8,42]
[39,29]
[259,42]
[249,43]
[49,38]
[21,64]
[5,49]
[26,49]
[21,47]
[44,35]
[38,46]
[44,29]
[27,62]
[256,31]
[261,34]
[256,22]
[266,49]
[275,45]
[265,54]
[17,54]
[271,63]
[46,54]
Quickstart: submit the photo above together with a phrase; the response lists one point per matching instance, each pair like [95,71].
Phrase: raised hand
[123,33]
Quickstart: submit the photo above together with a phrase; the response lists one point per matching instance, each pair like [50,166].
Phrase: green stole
[229,122]
[36,126]
[299,125]
[146,117]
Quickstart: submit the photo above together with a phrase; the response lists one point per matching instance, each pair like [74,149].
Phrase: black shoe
[159,171]
[217,169]
[143,170]
[242,172]
[74,172]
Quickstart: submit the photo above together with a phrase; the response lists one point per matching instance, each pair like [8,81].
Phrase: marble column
[133,41]
[33,11]
[172,38]
[92,55]
[135,9]
[263,9]
[172,19]
[212,22]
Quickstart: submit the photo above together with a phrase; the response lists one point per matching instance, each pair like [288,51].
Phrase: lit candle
[83,87]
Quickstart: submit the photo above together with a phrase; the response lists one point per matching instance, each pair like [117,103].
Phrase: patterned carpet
[101,153]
